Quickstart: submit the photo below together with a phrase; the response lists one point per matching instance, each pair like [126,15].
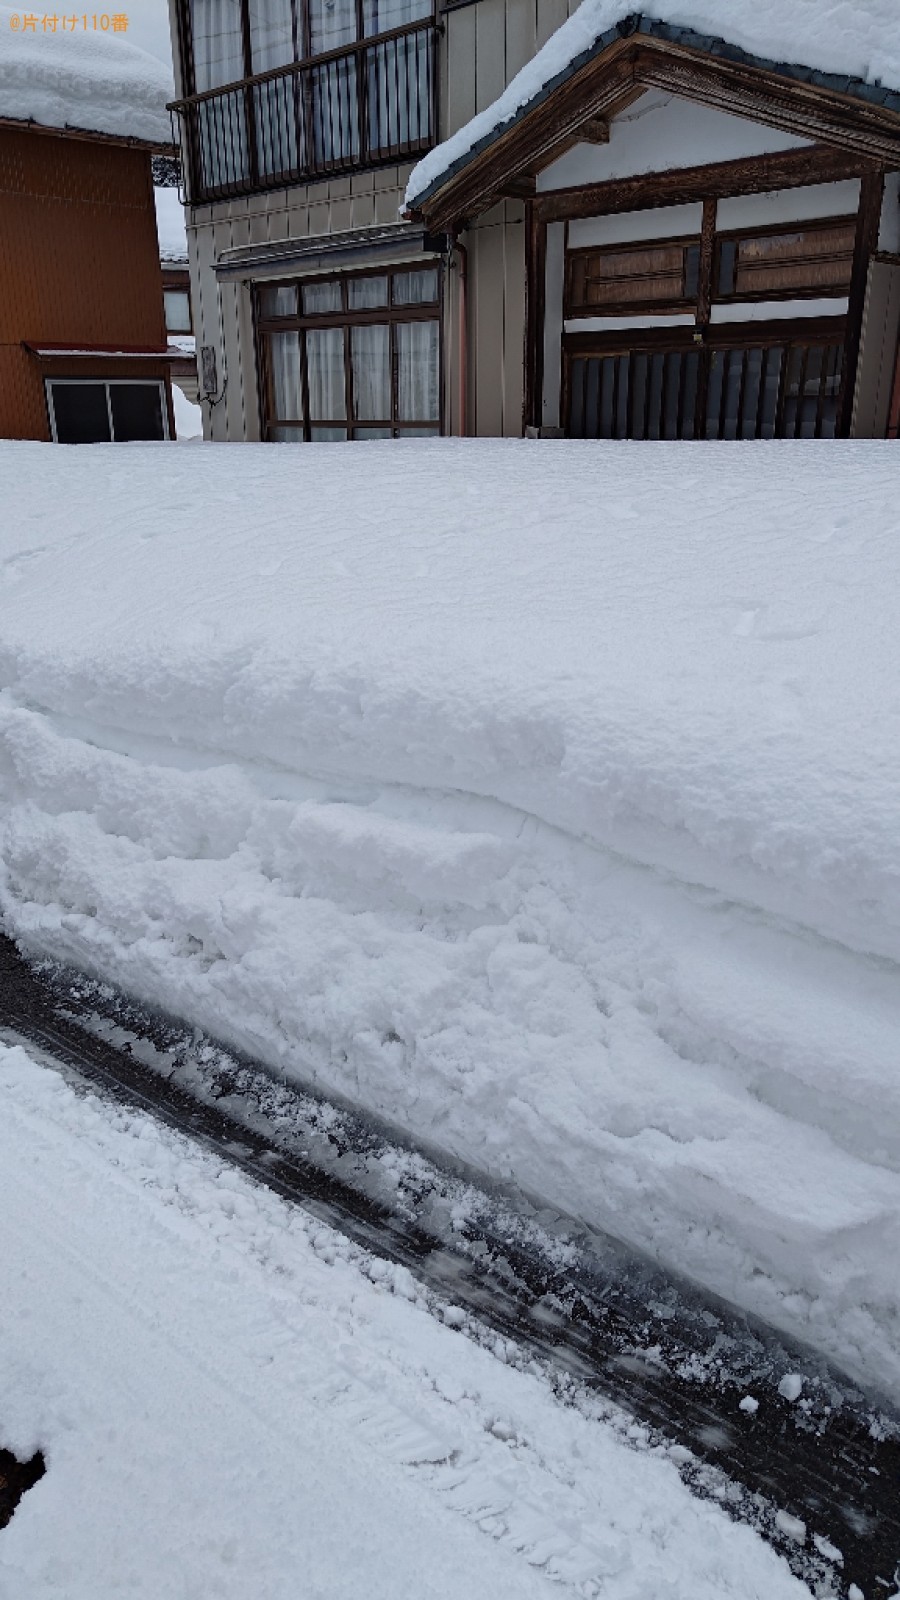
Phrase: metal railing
[364,105]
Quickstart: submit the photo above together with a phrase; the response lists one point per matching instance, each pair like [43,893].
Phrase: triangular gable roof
[569,82]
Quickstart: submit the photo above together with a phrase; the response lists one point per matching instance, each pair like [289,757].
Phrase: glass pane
[335,113]
[279,141]
[136,411]
[420,433]
[80,412]
[380,16]
[331,23]
[222,136]
[271,34]
[726,266]
[399,92]
[691,271]
[371,433]
[415,288]
[363,293]
[325,435]
[283,435]
[177,303]
[218,43]
[417,371]
[592,399]
[284,364]
[691,369]
[370,354]
[278,300]
[325,375]
[768,402]
[576,398]
[751,396]
[318,297]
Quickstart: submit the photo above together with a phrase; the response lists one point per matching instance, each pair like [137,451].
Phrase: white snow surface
[851,38]
[539,797]
[233,1401]
[170,224]
[82,79]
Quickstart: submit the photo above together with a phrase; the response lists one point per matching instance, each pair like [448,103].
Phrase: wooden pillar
[535,295]
[871,191]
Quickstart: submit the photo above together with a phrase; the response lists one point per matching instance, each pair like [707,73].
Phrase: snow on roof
[851,39]
[170,225]
[80,79]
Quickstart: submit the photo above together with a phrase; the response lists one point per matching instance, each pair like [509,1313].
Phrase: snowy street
[234,1401]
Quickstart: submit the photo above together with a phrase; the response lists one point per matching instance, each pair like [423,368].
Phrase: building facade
[648,234]
[83,350]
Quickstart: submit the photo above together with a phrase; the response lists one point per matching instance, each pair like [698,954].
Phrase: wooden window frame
[178,282]
[108,383]
[772,230]
[632,308]
[301,322]
[300,26]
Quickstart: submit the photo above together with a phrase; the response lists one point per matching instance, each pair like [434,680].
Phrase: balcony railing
[367,104]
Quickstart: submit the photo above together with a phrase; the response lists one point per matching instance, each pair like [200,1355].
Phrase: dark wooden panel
[814,258]
[628,277]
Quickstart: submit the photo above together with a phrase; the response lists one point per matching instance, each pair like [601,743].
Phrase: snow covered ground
[233,1401]
[540,797]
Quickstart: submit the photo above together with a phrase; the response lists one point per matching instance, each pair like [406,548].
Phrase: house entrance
[752,383]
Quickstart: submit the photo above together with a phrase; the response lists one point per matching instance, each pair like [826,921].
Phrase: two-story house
[83,349]
[495,217]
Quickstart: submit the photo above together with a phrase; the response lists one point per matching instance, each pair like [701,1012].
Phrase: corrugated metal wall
[79,261]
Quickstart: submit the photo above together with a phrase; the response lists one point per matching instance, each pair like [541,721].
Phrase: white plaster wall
[632,227]
[889,229]
[789,205]
[661,131]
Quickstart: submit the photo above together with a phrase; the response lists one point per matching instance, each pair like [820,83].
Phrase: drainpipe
[463,258]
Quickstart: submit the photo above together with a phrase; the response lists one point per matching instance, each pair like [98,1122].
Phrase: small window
[784,263]
[617,280]
[415,288]
[364,293]
[92,411]
[278,300]
[178,310]
[321,297]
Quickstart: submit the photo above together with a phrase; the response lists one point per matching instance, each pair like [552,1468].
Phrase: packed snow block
[559,828]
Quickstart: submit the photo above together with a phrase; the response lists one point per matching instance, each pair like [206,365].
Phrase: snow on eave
[825,48]
[82,82]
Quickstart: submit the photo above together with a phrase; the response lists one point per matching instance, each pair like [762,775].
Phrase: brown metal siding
[78,260]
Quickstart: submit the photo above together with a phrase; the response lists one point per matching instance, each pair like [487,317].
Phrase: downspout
[462,308]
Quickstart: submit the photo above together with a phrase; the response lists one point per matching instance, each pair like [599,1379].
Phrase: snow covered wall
[72,77]
[543,798]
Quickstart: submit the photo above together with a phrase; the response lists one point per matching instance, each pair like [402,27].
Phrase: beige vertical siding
[877,351]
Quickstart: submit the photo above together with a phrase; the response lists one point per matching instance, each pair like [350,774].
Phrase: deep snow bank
[541,797]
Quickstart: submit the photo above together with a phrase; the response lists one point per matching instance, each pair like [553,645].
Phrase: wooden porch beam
[802,109]
[595,130]
[785,169]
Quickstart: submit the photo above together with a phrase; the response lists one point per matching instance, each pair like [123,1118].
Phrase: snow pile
[170,225]
[236,1396]
[859,40]
[541,798]
[82,79]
